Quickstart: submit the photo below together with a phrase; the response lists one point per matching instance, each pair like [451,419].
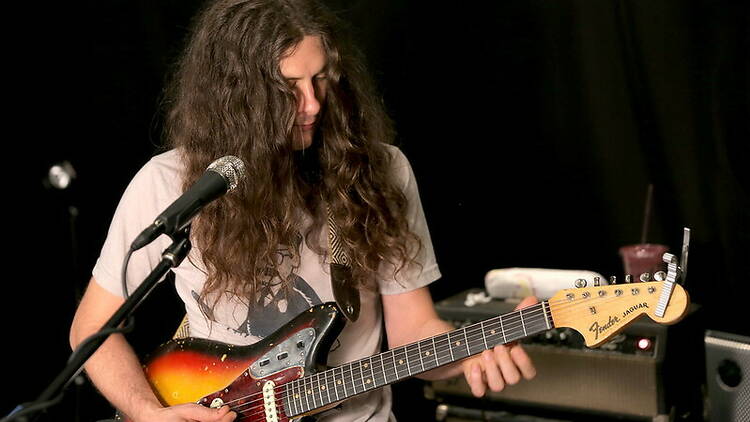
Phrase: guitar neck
[337,384]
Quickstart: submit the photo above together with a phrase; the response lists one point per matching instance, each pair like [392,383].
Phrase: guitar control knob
[581,282]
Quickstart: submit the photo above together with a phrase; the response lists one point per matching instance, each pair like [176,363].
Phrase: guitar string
[406,352]
[511,324]
[320,383]
[316,382]
[318,394]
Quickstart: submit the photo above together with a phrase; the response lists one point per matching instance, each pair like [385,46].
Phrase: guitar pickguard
[291,352]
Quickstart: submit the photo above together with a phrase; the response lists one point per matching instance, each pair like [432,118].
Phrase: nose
[307,99]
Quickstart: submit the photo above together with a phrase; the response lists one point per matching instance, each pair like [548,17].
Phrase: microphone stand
[171,257]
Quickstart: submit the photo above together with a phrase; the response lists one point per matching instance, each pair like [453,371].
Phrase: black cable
[124,274]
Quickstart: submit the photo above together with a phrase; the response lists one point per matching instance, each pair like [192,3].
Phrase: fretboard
[336,384]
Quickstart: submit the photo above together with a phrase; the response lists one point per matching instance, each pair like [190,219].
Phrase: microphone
[221,176]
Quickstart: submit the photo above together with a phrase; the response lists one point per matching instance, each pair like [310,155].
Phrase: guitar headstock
[600,312]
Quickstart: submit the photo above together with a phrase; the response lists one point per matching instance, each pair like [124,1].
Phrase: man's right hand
[187,412]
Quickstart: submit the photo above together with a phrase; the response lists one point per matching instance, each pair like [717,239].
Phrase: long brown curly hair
[228,96]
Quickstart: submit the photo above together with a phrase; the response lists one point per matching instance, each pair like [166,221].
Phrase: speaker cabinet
[728,376]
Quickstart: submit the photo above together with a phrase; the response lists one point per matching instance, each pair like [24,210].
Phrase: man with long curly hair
[275,83]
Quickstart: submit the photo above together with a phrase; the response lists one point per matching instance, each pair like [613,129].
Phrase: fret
[441,338]
[342,381]
[502,329]
[523,324]
[459,353]
[395,368]
[475,346]
[327,387]
[362,376]
[382,366]
[493,332]
[402,363]
[544,312]
[306,393]
[370,381]
[318,389]
[484,337]
[288,398]
[428,354]
[353,378]
[384,369]
[411,361]
[450,347]
[381,378]
[298,398]
[466,341]
[434,352]
[419,352]
[406,354]
[336,383]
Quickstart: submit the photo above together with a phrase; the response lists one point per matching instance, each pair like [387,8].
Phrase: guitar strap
[344,292]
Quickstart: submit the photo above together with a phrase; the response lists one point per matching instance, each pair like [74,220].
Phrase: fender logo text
[600,329]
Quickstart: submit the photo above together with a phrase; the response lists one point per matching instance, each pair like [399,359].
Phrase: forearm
[116,372]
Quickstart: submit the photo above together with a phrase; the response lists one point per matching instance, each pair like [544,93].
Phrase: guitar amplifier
[646,372]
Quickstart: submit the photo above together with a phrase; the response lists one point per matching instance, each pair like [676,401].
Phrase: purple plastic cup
[643,258]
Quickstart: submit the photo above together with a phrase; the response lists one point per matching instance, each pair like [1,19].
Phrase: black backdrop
[534,128]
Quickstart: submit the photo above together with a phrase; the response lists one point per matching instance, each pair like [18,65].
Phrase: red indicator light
[643,344]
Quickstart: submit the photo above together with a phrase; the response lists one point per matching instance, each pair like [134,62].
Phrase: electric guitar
[283,377]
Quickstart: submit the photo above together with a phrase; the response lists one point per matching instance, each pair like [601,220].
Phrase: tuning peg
[597,281]
[660,276]
[628,278]
[581,282]
[612,280]
[645,277]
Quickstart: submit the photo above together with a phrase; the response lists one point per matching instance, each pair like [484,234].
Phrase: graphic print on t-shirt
[274,309]
[273,306]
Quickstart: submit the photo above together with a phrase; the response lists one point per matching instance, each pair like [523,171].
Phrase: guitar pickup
[264,362]
[282,355]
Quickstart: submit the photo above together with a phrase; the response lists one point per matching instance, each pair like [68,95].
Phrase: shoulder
[165,167]
[167,164]
[159,180]
[400,168]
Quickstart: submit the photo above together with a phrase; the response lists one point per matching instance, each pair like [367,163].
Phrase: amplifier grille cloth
[580,379]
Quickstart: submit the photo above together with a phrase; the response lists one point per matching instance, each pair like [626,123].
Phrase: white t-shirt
[234,320]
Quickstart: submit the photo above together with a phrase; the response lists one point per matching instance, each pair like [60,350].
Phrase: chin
[304,143]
